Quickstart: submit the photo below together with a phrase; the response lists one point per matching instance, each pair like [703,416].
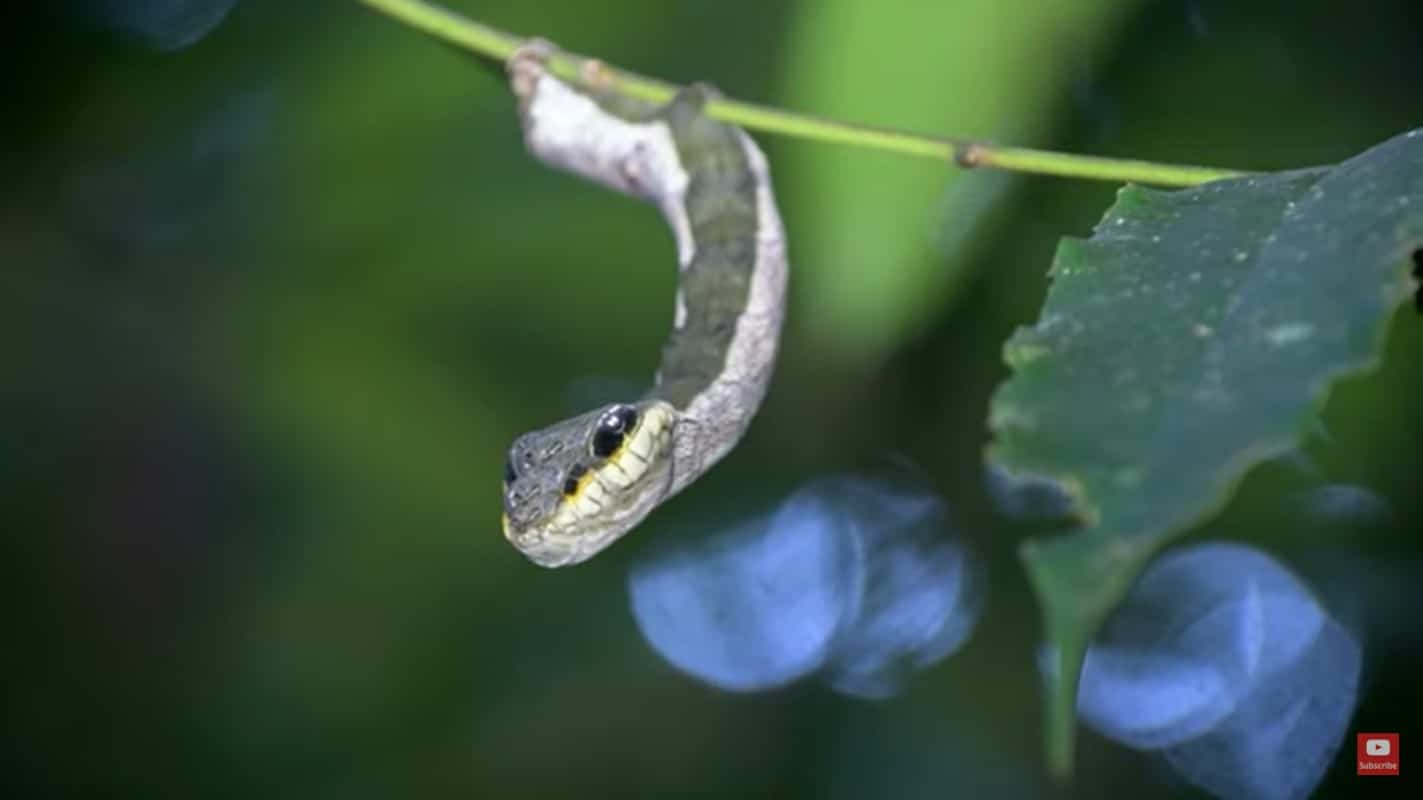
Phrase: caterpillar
[573,488]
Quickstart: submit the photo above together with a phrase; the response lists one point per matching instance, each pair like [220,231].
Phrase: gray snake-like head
[573,488]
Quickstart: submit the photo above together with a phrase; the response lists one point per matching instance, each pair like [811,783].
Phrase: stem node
[970,156]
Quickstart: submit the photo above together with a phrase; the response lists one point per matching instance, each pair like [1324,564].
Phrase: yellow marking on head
[616,475]
[589,486]
[618,472]
[582,483]
[599,487]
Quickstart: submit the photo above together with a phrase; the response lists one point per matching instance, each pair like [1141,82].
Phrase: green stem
[1061,702]
[466,34]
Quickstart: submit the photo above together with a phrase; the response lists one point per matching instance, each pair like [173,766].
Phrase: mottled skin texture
[711,183]
[721,207]
[542,463]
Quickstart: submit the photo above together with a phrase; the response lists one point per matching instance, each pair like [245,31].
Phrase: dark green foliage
[1195,334]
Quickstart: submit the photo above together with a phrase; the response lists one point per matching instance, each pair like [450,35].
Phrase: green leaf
[1194,335]
[864,224]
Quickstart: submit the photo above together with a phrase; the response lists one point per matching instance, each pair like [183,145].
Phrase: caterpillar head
[573,488]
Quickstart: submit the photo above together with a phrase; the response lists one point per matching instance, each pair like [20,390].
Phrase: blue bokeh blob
[858,580]
[1222,661]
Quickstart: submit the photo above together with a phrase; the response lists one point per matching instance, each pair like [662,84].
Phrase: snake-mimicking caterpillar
[574,487]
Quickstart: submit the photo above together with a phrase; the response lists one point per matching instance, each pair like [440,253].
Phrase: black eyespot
[1418,276]
[570,484]
[612,428]
[605,443]
[509,474]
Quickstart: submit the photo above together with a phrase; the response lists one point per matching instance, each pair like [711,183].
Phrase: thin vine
[492,43]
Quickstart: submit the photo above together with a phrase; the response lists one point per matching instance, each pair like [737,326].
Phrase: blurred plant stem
[476,37]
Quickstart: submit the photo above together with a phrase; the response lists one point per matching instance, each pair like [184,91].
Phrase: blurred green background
[273,305]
